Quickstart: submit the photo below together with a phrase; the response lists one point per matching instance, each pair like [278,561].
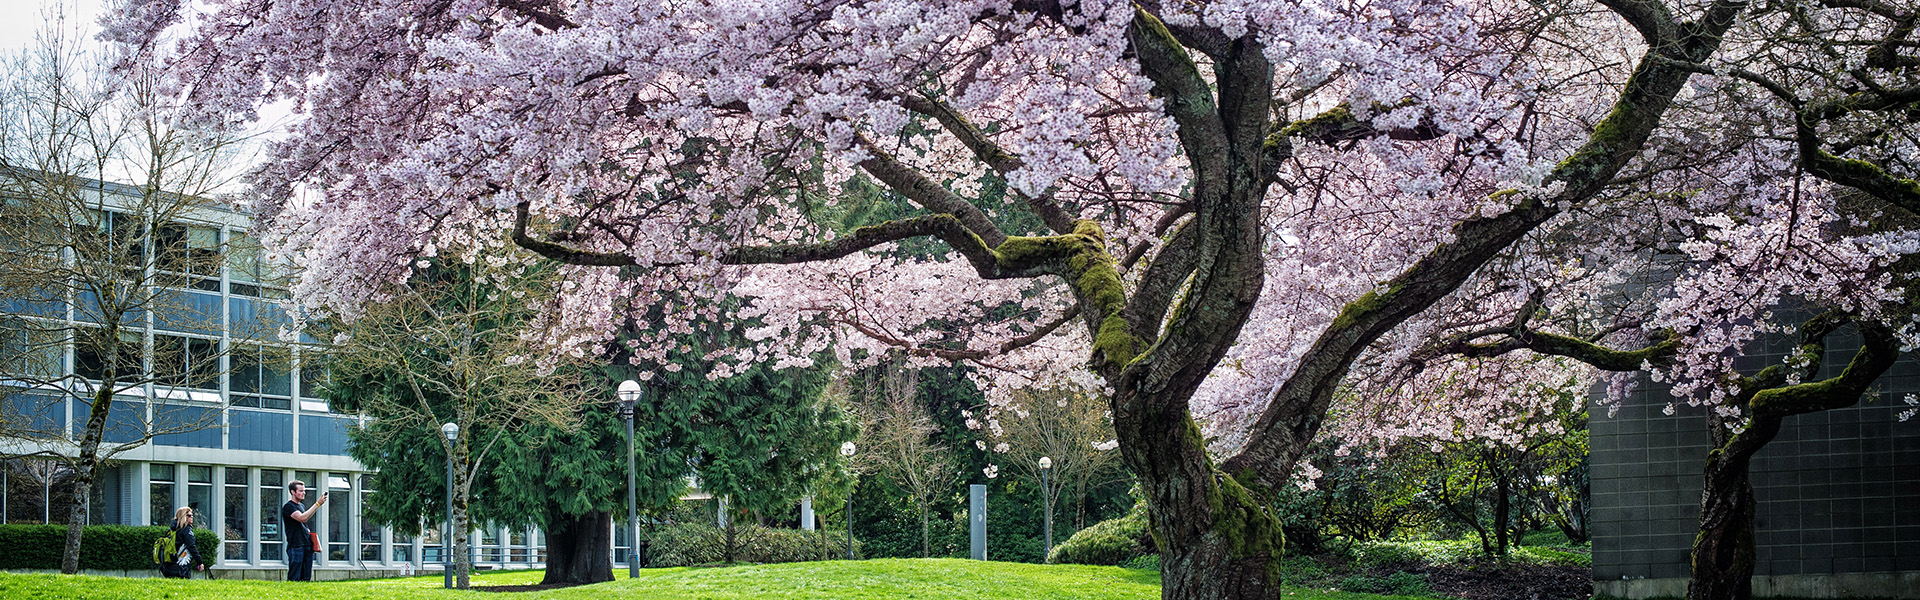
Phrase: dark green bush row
[108,547]
[1109,542]
[685,544]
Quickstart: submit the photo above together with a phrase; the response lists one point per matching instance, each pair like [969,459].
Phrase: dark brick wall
[1839,491]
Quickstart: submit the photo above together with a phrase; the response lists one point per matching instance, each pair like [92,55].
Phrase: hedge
[1110,542]
[686,544]
[104,547]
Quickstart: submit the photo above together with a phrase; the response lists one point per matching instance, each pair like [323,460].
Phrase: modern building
[1838,493]
[266,424]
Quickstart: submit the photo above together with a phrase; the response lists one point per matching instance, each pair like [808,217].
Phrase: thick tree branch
[1858,174]
[985,260]
[1878,349]
[1650,17]
[1188,100]
[1601,357]
[543,13]
[992,154]
[928,193]
[1165,274]
[1295,411]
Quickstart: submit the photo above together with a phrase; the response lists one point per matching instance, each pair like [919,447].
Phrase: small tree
[448,348]
[1071,428]
[99,268]
[898,440]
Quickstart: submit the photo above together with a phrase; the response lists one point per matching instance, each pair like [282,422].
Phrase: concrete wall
[1839,492]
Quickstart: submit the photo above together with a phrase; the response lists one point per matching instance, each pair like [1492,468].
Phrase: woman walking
[189,553]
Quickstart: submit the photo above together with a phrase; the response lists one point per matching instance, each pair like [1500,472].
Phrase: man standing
[293,522]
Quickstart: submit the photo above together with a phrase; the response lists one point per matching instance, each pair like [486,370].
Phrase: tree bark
[1725,547]
[579,548]
[86,467]
[1215,539]
[1724,550]
[1502,509]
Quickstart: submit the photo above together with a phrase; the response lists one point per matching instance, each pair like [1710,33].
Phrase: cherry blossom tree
[1213,208]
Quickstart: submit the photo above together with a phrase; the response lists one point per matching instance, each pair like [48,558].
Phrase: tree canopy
[1212,208]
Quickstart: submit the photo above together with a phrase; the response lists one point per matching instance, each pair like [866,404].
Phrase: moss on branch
[1082,258]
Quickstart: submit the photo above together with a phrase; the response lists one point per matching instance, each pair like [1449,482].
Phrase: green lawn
[868,579]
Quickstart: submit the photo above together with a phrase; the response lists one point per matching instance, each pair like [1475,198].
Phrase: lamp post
[847,449]
[630,392]
[1046,499]
[446,547]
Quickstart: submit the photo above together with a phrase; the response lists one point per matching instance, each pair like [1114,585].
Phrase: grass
[918,579]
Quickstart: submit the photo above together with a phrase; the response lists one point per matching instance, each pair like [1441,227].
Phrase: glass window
[186,362]
[272,495]
[160,502]
[93,354]
[30,349]
[234,530]
[200,494]
[489,544]
[117,238]
[251,274]
[430,548]
[517,546]
[313,381]
[369,530]
[402,547]
[340,518]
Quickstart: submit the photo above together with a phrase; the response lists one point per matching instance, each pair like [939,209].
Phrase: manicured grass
[921,579]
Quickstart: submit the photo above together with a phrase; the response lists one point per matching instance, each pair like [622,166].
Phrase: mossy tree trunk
[1725,547]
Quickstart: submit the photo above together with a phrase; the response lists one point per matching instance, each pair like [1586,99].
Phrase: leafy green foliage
[693,544]
[1461,552]
[763,437]
[1109,542]
[113,547]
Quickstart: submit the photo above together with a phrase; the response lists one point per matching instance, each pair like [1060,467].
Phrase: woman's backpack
[167,551]
[164,549]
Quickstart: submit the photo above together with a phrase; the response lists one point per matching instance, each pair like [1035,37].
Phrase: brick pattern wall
[1839,491]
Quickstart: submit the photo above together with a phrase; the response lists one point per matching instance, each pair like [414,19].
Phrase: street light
[446,546]
[847,449]
[1046,499]
[630,392]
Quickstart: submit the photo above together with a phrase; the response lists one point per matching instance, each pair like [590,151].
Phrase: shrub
[686,544]
[1301,570]
[106,547]
[1459,552]
[1150,561]
[1110,542]
[1398,583]
[1552,556]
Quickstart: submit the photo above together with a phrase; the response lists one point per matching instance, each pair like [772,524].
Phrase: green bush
[686,544]
[106,547]
[1399,583]
[1459,552]
[1552,556]
[1110,542]
[1150,561]
[1301,571]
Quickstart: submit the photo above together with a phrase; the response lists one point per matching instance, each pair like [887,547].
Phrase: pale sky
[19,19]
